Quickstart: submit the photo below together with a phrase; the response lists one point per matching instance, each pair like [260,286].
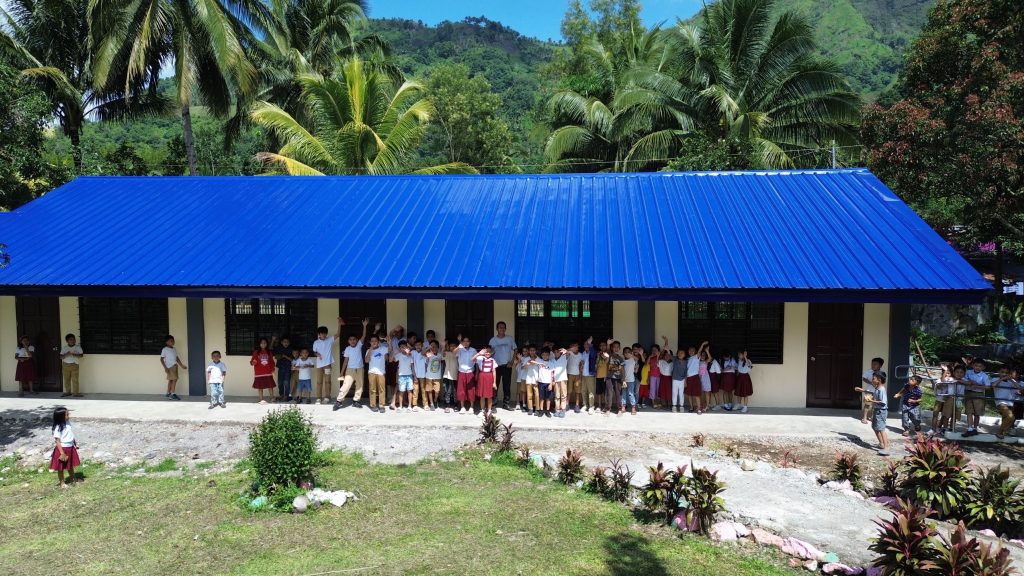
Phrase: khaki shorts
[974,406]
[172,372]
[432,386]
[575,384]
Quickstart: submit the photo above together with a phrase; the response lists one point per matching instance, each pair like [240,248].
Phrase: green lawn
[462,517]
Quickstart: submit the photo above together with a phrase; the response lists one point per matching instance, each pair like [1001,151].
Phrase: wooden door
[473,318]
[39,319]
[835,343]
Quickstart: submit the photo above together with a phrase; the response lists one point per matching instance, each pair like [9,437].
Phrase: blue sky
[537,18]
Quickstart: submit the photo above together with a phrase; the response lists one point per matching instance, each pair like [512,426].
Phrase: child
[953,407]
[25,373]
[876,367]
[678,377]
[451,376]
[435,369]
[293,381]
[560,368]
[588,360]
[875,393]
[704,355]
[486,382]
[283,355]
[942,391]
[664,397]
[910,405]
[715,371]
[403,355]
[975,387]
[303,369]
[352,366]
[323,353]
[653,375]
[544,380]
[377,358]
[169,361]
[465,386]
[631,389]
[216,374]
[744,385]
[262,362]
[65,447]
[574,369]
[728,379]
[531,371]
[70,356]
[1007,389]
[419,375]
[640,370]
[614,383]
[692,387]
[602,376]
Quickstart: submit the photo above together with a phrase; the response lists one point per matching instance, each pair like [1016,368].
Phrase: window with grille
[562,321]
[755,326]
[123,325]
[249,319]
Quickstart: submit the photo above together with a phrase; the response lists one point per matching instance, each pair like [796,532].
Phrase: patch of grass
[502,519]
[204,465]
[165,465]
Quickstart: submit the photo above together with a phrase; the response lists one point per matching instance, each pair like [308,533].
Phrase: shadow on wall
[20,423]
[629,554]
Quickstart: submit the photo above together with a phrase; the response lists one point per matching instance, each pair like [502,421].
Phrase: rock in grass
[987,532]
[842,569]
[747,465]
[765,538]
[800,549]
[811,565]
[300,504]
[723,532]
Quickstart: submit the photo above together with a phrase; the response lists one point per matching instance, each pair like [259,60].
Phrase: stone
[747,465]
[811,565]
[765,538]
[211,484]
[741,530]
[987,532]
[337,498]
[800,549]
[723,532]
[149,456]
[840,486]
[843,569]
[102,456]
[300,504]
[1017,542]
[830,558]
[887,501]
[853,494]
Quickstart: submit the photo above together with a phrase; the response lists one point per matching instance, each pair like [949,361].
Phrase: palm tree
[205,40]
[761,85]
[355,123]
[49,41]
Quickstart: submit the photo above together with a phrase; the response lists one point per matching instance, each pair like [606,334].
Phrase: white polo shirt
[325,348]
[354,355]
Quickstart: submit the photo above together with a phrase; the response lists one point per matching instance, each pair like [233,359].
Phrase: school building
[811,271]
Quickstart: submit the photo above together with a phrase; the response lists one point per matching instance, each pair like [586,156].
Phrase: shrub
[282,449]
[598,482]
[995,502]
[960,555]
[698,439]
[507,443]
[621,482]
[935,476]
[524,458]
[904,543]
[889,484]
[846,467]
[659,495]
[489,429]
[701,495]
[570,467]
[282,499]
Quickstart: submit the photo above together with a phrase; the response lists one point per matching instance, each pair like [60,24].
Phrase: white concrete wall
[876,335]
[398,313]
[785,385]
[505,310]
[8,343]
[624,324]
[433,317]
[666,322]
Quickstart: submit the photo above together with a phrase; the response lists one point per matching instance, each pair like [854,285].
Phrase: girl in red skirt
[25,373]
[65,447]
[262,363]
[728,379]
[485,383]
[744,386]
[663,396]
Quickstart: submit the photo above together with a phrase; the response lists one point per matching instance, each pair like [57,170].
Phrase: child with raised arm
[323,356]
[169,361]
[545,379]
[377,360]
[352,368]
[653,375]
[486,379]
[744,384]
[560,375]
[692,387]
[403,355]
[865,379]
[910,405]
[216,376]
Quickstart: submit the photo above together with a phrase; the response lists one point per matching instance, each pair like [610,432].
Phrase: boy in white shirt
[419,375]
[545,376]
[70,356]
[352,368]
[303,366]
[435,370]
[575,371]
[216,375]
[977,384]
[323,353]
[632,389]
[560,368]
[403,356]
[169,361]
[377,359]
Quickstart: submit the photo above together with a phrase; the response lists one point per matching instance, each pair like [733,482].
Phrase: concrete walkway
[760,421]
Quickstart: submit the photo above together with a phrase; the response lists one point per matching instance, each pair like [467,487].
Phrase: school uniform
[352,356]
[69,368]
[466,385]
[715,372]
[664,392]
[678,382]
[544,379]
[589,359]
[692,386]
[377,374]
[573,371]
[974,393]
[322,370]
[729,375]
[1006,391]
[67,444]
[744,385]
[485,377]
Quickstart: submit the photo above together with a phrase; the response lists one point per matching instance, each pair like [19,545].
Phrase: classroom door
[353,311]
[835,343]
[39,319]
[473,318]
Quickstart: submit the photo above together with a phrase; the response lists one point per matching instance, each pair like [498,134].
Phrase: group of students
[958,390]
[407,373]
[26,373]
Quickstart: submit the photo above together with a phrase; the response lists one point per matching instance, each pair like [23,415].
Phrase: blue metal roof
[837,235]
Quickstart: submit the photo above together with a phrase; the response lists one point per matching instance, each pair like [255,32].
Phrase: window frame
[149,311]
[540,317]
[299,325]
[758,326]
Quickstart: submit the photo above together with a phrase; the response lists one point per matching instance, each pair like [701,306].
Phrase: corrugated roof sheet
[788,235]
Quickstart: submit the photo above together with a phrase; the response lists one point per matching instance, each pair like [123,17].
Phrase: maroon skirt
[716,382]
[692,386]
[665,388]
[729,381]
[71,462]
[263,382]
[485,384]
[26,370]
[744,386]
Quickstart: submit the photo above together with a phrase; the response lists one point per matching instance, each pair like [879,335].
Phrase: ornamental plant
[936,477]
[282,449]
[489,429]
[846,467]
[959,555]
[660,496]
[904,545]
[570,467]
[621,482]
[598,482]
[995,502]
[700,495]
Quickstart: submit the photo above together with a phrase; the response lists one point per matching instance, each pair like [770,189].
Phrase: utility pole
[833,154]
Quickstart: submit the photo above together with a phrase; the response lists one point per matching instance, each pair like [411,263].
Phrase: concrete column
[645,324]
[414,316]
[899,336]
[195,321]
